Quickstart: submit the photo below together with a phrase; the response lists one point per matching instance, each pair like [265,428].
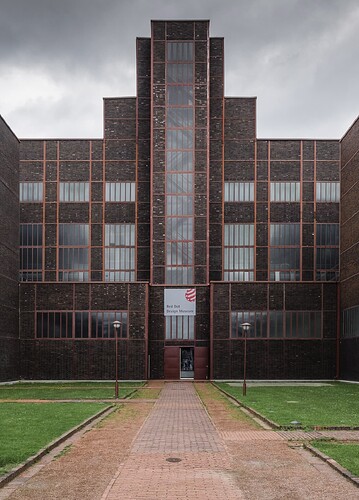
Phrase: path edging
[9,476]
[330,461]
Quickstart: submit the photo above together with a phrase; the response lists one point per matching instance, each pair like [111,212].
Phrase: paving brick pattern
[177,428]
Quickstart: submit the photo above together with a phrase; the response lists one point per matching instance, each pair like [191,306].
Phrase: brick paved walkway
[177,429]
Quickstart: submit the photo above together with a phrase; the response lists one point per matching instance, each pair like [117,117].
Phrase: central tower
[179,152]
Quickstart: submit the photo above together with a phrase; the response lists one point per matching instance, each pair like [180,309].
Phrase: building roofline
[9,128]
[297,139]
[349,129]
[180,20]
[22,139]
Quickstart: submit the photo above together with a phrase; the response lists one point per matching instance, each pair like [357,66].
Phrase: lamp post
[245,328]
[116,325]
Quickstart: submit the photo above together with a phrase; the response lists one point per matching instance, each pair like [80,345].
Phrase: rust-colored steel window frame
[180,327]
[327,251]
[120,192]
[31,192]
[179,169]
[120,250]
[77,325]
[284,247]
[238,252]
[274,324]
[31,252]
[73,246]
[350,322]
[74,192]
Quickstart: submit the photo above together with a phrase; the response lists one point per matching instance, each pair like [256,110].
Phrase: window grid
[74,192]
[179,194]
[327,252]
[350,322]
[179,327]
[119,252]
[31,192]
[285,191]
[31,252]
[80,324]
[238,252]
[238,191]
[284,260]
[120,191]
[328,192]
[278,324]
[73,252]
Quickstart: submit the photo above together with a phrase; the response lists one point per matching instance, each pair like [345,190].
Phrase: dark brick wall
[349,244]
[83,359]
[301,161]
[273,358]
[9,253]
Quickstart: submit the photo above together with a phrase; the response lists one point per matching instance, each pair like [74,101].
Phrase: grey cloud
[298,56]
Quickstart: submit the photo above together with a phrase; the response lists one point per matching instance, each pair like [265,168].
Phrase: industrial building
[181,225]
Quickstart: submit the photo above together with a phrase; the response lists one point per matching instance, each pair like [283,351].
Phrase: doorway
[187,363]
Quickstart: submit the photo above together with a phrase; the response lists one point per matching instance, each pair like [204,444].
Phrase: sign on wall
[180,302]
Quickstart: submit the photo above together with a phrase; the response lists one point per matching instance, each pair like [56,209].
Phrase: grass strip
[346,454]
[26,428]
[331,405]
[69,390]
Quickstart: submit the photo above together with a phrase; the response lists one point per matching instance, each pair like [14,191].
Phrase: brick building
[182,225]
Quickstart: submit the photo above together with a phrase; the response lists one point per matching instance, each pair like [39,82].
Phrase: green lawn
[346,454]
[69,390]
[27,427]
[331,405]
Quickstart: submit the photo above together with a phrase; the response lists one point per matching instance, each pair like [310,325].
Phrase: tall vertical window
[238,252]
[31,191]
[350,322]
[73,261]
[327,252]
[119,252]
[284,252]
[328,192]
[179,163]
[74,191]
[30,252]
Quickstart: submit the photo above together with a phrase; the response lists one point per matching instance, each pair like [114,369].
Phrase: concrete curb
[35,458]
[330,461]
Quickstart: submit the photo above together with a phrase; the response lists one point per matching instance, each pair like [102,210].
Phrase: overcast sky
[59,58]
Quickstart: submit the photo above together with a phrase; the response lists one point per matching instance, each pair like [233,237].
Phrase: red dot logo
[190,295]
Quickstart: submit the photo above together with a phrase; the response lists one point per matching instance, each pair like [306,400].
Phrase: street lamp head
[116,324]
[246,326]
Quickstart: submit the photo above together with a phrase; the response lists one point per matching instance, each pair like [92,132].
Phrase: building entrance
[187,363]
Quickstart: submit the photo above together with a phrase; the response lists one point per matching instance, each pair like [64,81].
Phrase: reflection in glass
[284,234]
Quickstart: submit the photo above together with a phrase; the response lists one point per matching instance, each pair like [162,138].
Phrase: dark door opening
[187,363]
